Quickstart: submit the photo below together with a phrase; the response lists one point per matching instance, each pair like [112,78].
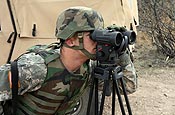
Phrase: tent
[33,22]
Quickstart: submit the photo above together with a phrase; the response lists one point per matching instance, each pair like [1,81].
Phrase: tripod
[108,74]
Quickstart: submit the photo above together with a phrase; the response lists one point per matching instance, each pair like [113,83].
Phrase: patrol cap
[76,19]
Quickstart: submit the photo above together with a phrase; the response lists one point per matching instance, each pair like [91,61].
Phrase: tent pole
[14,33]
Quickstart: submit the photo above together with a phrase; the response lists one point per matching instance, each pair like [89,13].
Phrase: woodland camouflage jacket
[50,88]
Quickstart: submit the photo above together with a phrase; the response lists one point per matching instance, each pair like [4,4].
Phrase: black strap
[14,80]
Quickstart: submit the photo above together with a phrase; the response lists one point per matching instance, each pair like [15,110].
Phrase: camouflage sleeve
[32,72]
[130,76]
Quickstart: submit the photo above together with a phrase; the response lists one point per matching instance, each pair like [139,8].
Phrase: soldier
[50,82]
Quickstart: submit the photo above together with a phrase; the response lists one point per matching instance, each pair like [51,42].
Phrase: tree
[157,18]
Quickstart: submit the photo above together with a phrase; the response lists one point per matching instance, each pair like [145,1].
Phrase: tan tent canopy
[42,14]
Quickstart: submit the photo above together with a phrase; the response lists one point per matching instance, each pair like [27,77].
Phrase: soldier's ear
[70,42]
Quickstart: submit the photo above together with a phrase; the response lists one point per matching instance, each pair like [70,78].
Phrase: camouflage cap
[76,19]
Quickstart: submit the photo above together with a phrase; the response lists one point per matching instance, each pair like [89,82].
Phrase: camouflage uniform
[49,88]
[52,86]
[43,89]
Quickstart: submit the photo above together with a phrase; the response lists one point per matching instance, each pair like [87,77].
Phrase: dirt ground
[156,82]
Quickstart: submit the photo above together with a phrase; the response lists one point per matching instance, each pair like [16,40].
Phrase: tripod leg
[96,96]
[103,97]
[126,97]
[90,97]
[113,99]
[119,97]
